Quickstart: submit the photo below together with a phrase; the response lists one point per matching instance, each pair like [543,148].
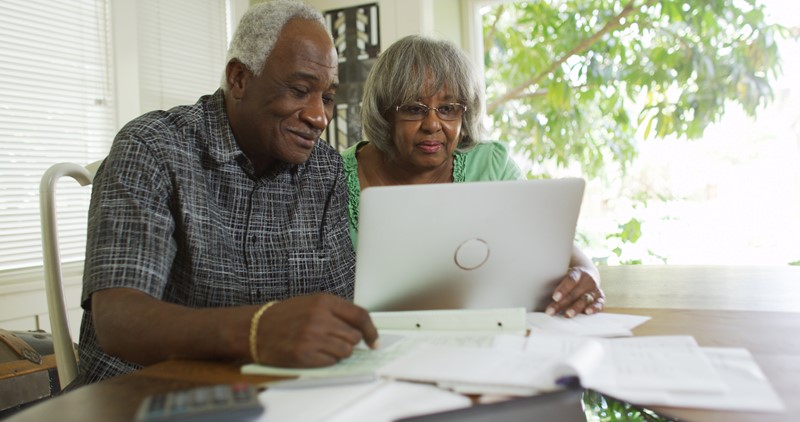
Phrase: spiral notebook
[465,245]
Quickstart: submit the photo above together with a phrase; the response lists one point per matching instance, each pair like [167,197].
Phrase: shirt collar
[224,148]
[222,144]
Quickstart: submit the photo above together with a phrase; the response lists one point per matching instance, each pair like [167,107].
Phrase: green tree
[577,82]
[572,81]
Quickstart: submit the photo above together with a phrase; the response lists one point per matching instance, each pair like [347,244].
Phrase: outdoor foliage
[576,82]
[572,81]
[600,408]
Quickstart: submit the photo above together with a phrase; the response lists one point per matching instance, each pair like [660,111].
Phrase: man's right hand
[304,331]
[312,331]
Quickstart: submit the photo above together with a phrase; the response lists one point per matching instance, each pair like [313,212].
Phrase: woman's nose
[431,122]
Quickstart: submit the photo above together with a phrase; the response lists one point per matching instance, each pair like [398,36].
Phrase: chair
[66,361]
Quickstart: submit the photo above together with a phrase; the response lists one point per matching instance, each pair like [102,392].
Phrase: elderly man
[219,229]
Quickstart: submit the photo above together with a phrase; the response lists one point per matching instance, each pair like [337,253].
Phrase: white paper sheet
[660,363]
[488,367]
[401,332]
[664,363]
[748,387]
[377,401]
[603,324]
[365,361]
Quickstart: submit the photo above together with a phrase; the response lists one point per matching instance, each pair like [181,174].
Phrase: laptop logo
[471,254]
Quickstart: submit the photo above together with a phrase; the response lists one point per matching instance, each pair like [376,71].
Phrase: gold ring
[588,298]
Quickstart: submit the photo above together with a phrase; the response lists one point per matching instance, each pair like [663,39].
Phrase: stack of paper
[487,352]
[659,370]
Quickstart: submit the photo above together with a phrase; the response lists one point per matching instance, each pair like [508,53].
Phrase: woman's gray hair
[401,75]
[259,29]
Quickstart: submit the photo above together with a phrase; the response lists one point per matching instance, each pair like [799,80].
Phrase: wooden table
[728,312]
[731,288]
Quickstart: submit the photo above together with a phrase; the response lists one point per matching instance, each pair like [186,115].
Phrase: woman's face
[428,143]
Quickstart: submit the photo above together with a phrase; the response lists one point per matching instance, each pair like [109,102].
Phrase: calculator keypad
[233,402]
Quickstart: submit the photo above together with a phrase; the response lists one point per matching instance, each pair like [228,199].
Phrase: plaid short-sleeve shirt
[178,213]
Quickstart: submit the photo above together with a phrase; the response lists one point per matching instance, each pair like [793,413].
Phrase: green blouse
[487,161]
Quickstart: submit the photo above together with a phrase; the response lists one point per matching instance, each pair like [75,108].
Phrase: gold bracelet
[254,329]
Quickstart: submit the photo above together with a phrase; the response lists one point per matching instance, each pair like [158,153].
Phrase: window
[562,78]
[56,105]
[66,71]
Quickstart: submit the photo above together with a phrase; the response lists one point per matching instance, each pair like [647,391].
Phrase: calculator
[236,402]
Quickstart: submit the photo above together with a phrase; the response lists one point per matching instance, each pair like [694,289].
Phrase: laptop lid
[465,245]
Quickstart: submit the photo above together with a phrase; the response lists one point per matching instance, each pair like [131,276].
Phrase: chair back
[66,360]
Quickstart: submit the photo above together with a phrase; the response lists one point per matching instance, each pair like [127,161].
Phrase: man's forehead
[307,40]
[301,75]
[300,30]
[304,52]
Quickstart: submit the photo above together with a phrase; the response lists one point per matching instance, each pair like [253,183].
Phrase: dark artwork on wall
[356,36]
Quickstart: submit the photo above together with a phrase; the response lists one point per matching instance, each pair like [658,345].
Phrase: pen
[320,381]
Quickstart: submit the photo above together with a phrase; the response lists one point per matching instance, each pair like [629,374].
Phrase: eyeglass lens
[450,111]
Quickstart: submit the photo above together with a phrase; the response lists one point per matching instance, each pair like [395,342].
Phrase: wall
[436,18]
[452,20]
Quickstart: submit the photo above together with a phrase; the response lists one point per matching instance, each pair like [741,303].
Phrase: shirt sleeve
[129,240]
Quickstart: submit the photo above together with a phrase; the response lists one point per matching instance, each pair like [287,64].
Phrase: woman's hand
[579,291]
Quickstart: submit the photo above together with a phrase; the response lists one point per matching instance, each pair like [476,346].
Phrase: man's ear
[236,76]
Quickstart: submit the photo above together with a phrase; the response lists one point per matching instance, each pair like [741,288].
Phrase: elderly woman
[421,114]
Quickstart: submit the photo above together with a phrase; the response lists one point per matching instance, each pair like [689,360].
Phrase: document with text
[657,370]
[402,332]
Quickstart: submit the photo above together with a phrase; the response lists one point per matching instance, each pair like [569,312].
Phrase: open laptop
[465,245]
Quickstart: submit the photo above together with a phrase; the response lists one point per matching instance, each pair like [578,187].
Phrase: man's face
[280,114]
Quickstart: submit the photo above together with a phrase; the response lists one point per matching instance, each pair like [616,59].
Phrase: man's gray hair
[258,31]
[400,75]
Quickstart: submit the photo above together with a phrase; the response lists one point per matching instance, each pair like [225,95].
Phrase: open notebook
[465,245]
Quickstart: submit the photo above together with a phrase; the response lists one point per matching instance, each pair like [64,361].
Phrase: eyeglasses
[449,111]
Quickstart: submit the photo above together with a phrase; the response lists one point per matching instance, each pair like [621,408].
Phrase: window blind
[55,105]
[182,49]
[56,100]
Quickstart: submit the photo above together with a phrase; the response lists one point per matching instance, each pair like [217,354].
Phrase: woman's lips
[430,146]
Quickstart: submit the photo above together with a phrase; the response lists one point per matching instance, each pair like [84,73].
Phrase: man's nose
[315,113]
